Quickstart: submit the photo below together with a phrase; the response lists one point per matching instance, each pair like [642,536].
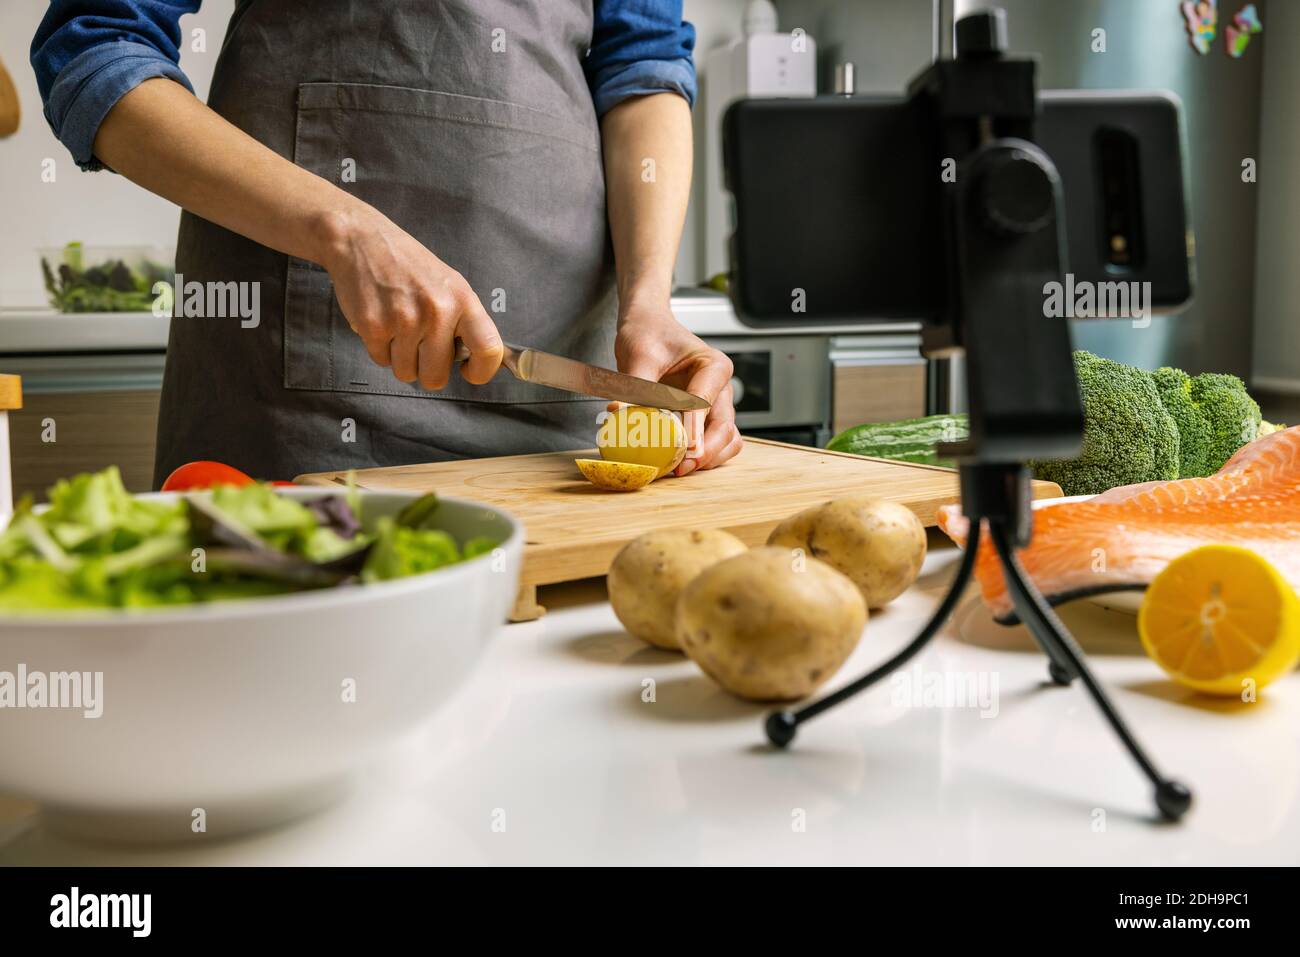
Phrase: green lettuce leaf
[97,546]
[401,551]
[279,520]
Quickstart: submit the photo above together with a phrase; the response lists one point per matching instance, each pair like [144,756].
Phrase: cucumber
[911,440]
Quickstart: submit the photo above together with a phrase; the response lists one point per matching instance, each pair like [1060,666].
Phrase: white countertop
[553,731]
[702,311]
[709,314]
[48,331]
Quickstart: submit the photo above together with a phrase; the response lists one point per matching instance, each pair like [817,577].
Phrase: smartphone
[837,208]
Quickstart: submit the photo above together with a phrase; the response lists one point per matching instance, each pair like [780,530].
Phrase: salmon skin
[1120,540]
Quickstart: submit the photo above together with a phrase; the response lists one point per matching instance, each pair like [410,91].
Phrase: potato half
[649,573]
[643,436]
[770,624]
[616,476]
[879,544]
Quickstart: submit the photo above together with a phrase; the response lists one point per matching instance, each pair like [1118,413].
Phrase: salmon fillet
[1126,536]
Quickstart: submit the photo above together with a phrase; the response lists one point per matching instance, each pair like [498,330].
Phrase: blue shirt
[88,54]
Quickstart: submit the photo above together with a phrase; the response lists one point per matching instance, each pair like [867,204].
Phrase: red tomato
[201,475]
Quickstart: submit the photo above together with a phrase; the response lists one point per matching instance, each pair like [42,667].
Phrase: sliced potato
[649,573]
[616,476]
[643,436]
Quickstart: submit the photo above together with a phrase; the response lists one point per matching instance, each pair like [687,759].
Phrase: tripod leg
[781,725]
[1172,797]
[1036,614]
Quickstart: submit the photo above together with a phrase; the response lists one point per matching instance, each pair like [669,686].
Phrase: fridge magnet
[1202,23]
[1245,24]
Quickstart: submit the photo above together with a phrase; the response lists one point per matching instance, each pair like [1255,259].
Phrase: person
[379,180]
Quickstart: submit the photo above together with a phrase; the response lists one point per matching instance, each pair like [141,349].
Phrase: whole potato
[879,544]
[650,572]
[770,625]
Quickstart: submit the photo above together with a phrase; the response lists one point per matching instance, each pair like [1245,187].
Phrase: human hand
[653,345]
[407,305]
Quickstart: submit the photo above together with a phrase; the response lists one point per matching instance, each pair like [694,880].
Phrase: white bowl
[236,714]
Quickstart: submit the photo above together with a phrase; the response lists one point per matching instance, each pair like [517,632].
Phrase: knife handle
[462,353]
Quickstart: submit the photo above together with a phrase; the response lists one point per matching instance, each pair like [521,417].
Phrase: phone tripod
[1003,230]
[1000,496]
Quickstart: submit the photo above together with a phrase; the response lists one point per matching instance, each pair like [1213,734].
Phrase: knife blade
[543,368]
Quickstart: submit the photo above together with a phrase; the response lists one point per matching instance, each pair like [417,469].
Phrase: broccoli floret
[1129,437]
[1231,415]
[1195,455]
[1215,416]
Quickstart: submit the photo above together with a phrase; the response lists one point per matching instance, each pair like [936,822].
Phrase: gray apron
[469,123]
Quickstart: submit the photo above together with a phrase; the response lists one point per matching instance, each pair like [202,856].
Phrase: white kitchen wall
[1277,267]
[90,207]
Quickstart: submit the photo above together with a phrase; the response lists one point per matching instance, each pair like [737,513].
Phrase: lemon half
[1220,617]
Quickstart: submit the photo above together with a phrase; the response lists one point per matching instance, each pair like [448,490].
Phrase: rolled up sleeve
[639,47]
[88,55]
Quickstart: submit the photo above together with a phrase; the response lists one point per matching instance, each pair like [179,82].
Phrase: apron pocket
[511,197]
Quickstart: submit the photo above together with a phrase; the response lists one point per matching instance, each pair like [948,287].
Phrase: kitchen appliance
[999,243]
[879,377]
[780,386]
[575,529]
[808,381]
[762,62]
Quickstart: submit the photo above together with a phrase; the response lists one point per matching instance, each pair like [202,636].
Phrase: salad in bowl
[97,546]
[239,651]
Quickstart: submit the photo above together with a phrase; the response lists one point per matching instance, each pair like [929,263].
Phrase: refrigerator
[1146,46]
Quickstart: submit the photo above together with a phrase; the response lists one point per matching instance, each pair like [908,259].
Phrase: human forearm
[648,178]
[647,145]
[407,305]
[217,171]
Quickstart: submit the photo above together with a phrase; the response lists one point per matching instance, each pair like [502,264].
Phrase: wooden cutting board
[574,529]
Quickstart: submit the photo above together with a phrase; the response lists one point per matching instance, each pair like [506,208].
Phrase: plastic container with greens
[80,278]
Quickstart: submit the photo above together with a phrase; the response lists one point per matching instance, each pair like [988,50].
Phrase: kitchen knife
[542,368]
